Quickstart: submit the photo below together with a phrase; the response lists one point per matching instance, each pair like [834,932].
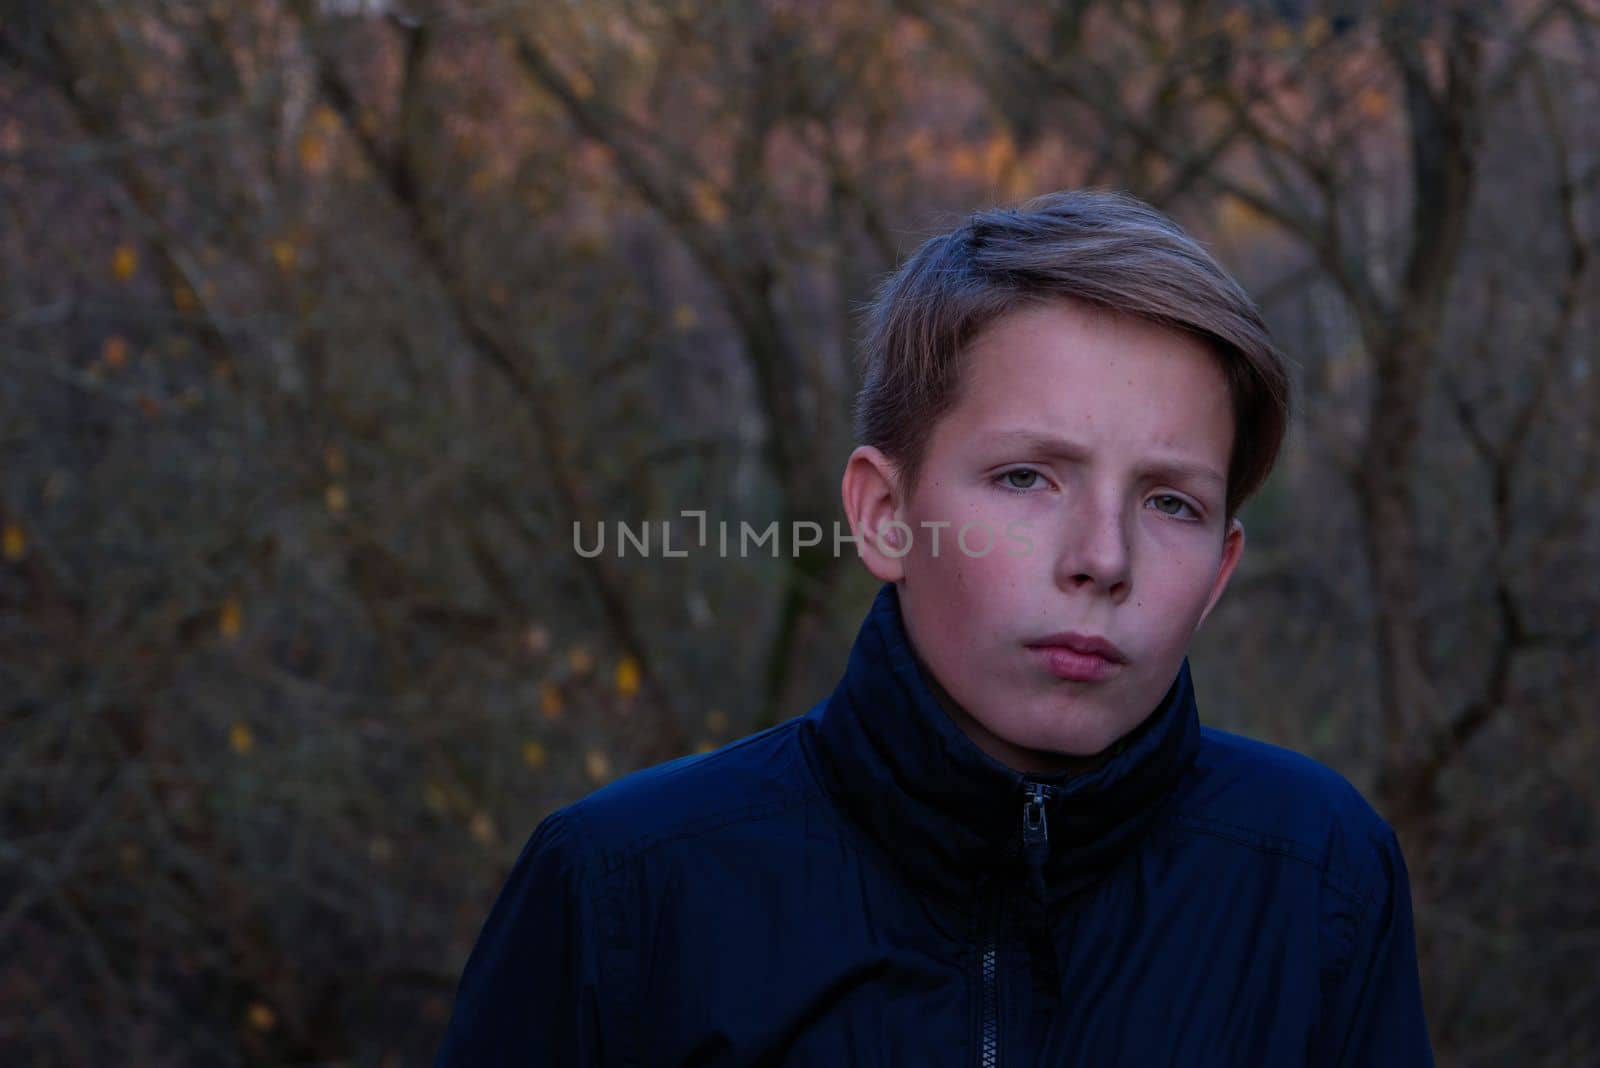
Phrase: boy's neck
[1017,758]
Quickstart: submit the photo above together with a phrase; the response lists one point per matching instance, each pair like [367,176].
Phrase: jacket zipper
[989,1047]
[1035,835]
[1035,828]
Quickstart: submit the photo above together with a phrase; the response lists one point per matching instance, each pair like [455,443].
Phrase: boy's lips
[1088,644]
[1079,657]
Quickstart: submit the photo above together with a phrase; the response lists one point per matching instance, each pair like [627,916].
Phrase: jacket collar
[950,814]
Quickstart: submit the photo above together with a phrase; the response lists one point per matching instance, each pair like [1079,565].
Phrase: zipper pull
[1035,828]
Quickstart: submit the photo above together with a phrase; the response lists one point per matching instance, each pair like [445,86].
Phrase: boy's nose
[1096,553]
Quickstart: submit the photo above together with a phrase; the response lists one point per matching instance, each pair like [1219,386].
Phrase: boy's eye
[1022,478]
[1169,504]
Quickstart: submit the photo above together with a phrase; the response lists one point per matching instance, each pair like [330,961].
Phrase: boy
[1004,838]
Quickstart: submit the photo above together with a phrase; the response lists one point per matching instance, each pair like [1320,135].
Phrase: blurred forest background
[321,323]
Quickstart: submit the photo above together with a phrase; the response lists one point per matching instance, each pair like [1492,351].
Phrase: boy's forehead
[1058,377]
[1036,360]
[1045,316]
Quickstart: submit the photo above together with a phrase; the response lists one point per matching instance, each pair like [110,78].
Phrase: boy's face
[1095,448]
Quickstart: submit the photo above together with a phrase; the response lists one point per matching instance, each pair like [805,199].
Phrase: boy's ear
[1232,549]
[871,493]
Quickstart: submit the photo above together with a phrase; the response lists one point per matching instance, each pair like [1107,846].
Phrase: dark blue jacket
[862,885]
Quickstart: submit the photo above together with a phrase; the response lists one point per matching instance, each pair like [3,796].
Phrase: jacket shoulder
[743,781]
[1276,800]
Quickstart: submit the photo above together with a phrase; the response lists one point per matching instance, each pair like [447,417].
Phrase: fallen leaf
[124,262]
[15,542]
[115,351]
[230,620]
[627,677]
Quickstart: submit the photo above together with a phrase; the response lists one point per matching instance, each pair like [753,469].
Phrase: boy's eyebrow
[1050,444]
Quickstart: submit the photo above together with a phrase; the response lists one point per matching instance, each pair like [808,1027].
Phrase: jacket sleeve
[1376,1019]
[530,994]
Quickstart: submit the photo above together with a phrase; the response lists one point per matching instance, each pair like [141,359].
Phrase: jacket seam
[620,857]
[1360,903]
[616,857]
[1277,846]
[614,942]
